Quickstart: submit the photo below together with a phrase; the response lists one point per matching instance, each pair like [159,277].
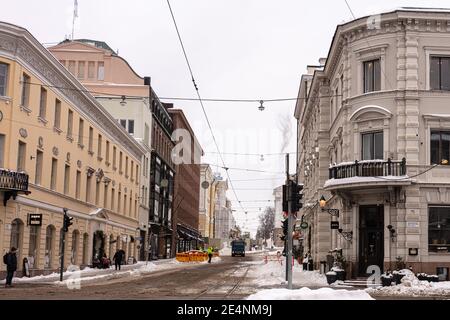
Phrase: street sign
[34,219]
[304,225]
[335,225]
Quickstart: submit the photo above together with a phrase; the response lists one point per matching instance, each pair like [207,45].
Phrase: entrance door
[371,249]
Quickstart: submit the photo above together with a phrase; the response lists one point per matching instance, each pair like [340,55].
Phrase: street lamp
[346,235]
[323,203]
[123,102]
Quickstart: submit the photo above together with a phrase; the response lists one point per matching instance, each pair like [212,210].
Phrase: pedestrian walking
[118,259]
[10,259]
[210,254]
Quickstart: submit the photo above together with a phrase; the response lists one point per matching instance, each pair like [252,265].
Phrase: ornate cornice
[18,44]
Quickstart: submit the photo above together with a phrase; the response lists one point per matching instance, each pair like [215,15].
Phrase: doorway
[371,237]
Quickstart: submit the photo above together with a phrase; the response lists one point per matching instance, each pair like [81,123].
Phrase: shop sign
[34,219]
[334,225]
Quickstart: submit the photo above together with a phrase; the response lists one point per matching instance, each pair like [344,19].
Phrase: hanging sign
[304,225]
[335,225]
[34,219]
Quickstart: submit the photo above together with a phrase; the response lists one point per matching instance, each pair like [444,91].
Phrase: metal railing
[369,169]
[13,181]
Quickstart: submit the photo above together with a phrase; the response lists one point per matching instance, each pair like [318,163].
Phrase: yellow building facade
[75,156]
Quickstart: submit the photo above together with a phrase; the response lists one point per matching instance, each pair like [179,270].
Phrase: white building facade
[374,141]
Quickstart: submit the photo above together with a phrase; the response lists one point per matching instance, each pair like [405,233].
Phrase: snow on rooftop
[309,294]
[357,180]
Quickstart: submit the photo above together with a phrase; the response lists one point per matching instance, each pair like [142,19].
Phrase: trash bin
[323,267]
[310,265]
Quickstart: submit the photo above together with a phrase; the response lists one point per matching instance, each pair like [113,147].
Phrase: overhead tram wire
[115,95]
[201,102]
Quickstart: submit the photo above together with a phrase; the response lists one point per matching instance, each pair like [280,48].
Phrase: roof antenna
[75,15]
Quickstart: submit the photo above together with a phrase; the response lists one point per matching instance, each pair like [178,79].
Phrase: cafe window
[49,237]
[33,246]
[440,73]
[372,75]
[372,145]
[440,147]
[439,229]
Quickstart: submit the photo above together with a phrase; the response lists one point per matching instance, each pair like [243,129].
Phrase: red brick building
[186,190]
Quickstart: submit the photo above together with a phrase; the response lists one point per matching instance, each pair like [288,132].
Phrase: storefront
[188,239]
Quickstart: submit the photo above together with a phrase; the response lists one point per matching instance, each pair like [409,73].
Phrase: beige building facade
[74,154]
[373,140]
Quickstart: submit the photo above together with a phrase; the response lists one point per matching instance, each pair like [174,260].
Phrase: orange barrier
[191,256]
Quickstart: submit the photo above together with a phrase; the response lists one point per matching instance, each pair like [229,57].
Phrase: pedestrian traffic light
[67,221]
[296,196]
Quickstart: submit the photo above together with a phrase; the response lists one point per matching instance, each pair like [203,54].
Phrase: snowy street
[251,277]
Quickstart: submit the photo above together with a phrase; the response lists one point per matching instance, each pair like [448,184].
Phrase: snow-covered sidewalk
[310,294]
[74,275]
[412,287]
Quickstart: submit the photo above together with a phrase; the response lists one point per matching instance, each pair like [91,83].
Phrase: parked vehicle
[238,248]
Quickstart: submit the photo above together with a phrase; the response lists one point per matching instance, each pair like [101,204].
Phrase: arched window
[75,242]
[16,234]
[85,248]
[49,239]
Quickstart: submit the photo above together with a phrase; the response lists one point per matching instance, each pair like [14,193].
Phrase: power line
[252,154]
[201,102]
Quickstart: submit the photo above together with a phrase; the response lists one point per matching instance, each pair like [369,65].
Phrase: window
[33,246]
[78,185]
[132,170]
[146,134]
[49,236]
[113,194]
[54,174]
[372,146]
[440,73]
[99,146]
[16,234]
[119,200]
[85,248]
[97,192]
[66,179]
[107,152]
[39,161]
[80,132]
[439,229]
[342,89]
[91,140]
[123,123]
[74,253]
[25,90]
[100,71]
[126,166]
[137,173]
[372,76]
[120,162]
[91,70]
[105,196]
[70,124]
[57,123]
[2,150]
[72,67]
[114,158]
[440,146]
[88,188]
[131,126]
[3,78]
[21,156]
[125,205]
[80,69]
[43,104]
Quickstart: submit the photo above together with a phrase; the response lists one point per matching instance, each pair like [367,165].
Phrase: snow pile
[274,273]
[412,287]
[308,294]
[225,251]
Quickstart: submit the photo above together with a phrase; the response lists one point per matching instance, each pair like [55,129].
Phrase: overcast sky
[238,49]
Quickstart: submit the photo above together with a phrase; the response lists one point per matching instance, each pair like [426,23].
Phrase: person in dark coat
[118,256]
[11,266]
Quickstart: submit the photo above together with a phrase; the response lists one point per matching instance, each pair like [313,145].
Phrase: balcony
[367,173]
[12,183]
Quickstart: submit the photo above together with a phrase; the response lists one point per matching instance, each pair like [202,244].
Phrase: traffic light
[67,221]
[285,198]
[296,196]
[285,229]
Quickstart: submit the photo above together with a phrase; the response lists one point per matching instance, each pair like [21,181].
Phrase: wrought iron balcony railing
[369,168]
[13,181]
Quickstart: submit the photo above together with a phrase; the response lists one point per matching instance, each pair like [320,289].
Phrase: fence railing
[369,169]
[14,181]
